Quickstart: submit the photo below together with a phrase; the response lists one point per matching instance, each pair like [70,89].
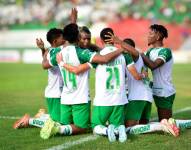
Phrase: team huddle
[123,90]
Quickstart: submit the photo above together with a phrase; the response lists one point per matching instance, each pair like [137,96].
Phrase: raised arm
[152,64]
[40,45]
[73,15]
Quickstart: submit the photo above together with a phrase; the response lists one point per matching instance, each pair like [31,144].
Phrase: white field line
[72,143]
[9,117]
[93,137]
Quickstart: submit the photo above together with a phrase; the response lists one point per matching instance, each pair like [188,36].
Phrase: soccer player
[75,106]
[54,87]
[159,59]
[85,39]
[110,97]
[138,109]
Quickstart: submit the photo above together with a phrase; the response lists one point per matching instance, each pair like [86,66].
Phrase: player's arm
[131,67]
[152,64]
[77,69]
[40,45]
[134,73]
[124,45]
[73,15]
[74,69]
[103,59]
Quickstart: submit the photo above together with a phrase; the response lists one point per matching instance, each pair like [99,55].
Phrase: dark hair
[84,29]
[52,34]
[71,32]
[105,32]
[130,42]
[161,29]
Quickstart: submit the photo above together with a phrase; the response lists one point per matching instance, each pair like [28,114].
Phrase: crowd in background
[36,13]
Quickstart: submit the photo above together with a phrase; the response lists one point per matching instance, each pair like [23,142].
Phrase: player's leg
[146,114]
[164,126]
[117,120]
[81,118]
[52,128]
[133,112]
[27,121]
[183,124]
[54,108]
[100,116]
[164,106]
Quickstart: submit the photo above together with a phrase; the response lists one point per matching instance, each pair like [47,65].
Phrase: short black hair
[161,29]
[105,32]
[129,41]
[84,29]
[71,32]
[52,34]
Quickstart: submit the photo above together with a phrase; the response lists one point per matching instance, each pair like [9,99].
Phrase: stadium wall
[20,46]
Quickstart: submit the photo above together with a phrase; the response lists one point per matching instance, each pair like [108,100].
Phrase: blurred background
[22,21]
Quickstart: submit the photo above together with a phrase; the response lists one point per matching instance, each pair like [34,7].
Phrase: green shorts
[113,114]
[77,114]
[54,108]
[164,102]
[136,110]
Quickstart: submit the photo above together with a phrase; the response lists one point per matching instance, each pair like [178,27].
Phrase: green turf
[22,91]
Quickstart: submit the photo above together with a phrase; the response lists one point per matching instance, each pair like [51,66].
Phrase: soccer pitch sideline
[22,91]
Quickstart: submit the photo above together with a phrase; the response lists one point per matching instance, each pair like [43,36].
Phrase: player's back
[110,81]
[75,89]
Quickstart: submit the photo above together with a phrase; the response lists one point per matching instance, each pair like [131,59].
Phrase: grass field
[22,91]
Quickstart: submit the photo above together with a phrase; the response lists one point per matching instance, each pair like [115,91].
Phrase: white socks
[65,129]
[183,124]
[139,129]
[100,130]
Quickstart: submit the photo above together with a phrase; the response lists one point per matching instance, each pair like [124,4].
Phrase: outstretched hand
[73,15]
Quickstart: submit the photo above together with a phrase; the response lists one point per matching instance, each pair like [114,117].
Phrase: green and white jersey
[76,87]
[110,80]
[51,56]
[162,76]
[55,83]
[137,89]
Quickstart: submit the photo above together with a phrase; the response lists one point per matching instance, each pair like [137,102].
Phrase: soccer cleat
[50,128]
[40,113]
[22,123]
[170,126]
[122,133]
[111,134]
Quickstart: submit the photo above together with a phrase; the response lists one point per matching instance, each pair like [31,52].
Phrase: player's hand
[112,39]
[74,15]
[40,43]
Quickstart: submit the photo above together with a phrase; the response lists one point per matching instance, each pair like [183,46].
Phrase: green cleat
[50,128]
